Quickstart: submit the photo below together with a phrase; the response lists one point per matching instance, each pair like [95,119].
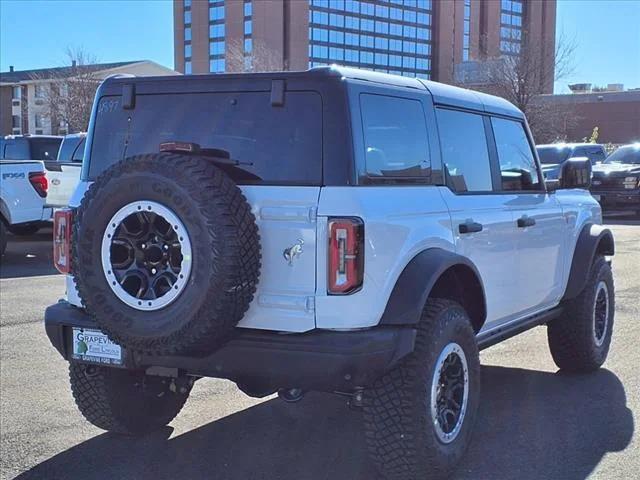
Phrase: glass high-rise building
[417,38]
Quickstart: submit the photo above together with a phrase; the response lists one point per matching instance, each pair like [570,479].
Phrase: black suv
[616,182]
[552,156]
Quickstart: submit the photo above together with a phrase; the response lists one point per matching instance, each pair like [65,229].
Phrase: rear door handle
[524,222]
[470,227]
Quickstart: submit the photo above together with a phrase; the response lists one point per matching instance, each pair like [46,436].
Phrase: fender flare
[416,282]
[593,239]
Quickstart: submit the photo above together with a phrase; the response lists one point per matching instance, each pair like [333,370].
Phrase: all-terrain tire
[225,248]
[400,432]
[573,342]
[24,230]
[125,401]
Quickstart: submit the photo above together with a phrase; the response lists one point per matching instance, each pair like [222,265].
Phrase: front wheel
[579,340]
[419,417]
[125,401]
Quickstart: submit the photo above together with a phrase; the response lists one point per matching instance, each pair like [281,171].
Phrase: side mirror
[574,173]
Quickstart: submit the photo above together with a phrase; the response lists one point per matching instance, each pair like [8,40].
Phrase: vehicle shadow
[532,425]
[28,256]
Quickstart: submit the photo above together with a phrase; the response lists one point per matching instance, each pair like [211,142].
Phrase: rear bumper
[318,360]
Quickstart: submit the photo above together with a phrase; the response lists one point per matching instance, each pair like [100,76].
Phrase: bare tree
[260,59]
[68,92]
[520,78]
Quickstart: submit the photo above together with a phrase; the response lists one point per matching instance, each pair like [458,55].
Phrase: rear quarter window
[272,144]
[395,137]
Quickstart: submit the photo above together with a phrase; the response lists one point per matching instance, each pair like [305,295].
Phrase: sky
[37,33]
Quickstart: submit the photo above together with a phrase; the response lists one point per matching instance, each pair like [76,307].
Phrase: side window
[395,136]
[465,154]
[78,155]
[518,168]
[12,151]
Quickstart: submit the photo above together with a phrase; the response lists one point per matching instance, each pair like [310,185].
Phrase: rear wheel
[419,417]
[125,401]
[579,340]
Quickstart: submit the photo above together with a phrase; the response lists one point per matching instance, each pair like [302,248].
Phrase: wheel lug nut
[144,245]
[153,270]
[166,247]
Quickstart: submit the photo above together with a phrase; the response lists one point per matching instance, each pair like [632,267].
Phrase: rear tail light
[39,182]
[62,222]
[346,255]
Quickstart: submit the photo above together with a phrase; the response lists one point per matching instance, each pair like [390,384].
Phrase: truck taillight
[62,224]
[346,255]
[39,182]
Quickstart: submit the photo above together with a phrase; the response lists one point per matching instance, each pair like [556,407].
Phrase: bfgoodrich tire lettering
[224,246]
[124,401]
[579,340]
[401,435]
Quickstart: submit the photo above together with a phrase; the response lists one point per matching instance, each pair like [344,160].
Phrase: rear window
[553,155]
[272,144]
[44,148]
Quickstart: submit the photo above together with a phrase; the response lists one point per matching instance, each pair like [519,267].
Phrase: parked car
[616,182]
[552,156]
[23,190]
[64,172]
[336,230]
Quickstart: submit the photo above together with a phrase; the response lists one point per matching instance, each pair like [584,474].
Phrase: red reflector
[346,255]
[39,182]
[62,223]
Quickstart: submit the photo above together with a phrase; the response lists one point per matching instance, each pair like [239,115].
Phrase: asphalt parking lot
[534,423]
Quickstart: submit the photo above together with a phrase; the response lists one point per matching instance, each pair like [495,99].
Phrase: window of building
[464,151]
[187,50]
[216,13]
[216,65]
[39,120]
[187,67]
[518,168]
[187,17]
[384,25]
[187,34]
[466,31]
[216,31]
[15,121]
[39,91]
[511,17]
[16,92]
[395,136]
[187,3]
[216,48]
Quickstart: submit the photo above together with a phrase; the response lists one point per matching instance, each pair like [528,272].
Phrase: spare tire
[166,254]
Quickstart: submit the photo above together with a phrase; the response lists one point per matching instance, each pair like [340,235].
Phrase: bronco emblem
[293,252]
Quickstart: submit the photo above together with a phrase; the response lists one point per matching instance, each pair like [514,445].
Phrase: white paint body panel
[62,184]
[21,203]
[400,222]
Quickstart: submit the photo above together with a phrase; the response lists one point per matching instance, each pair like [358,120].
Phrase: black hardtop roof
[442,94]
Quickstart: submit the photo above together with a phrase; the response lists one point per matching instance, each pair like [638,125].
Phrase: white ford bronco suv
[333,230]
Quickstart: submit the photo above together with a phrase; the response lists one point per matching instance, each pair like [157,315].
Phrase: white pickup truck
[63,173]
[23,192]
